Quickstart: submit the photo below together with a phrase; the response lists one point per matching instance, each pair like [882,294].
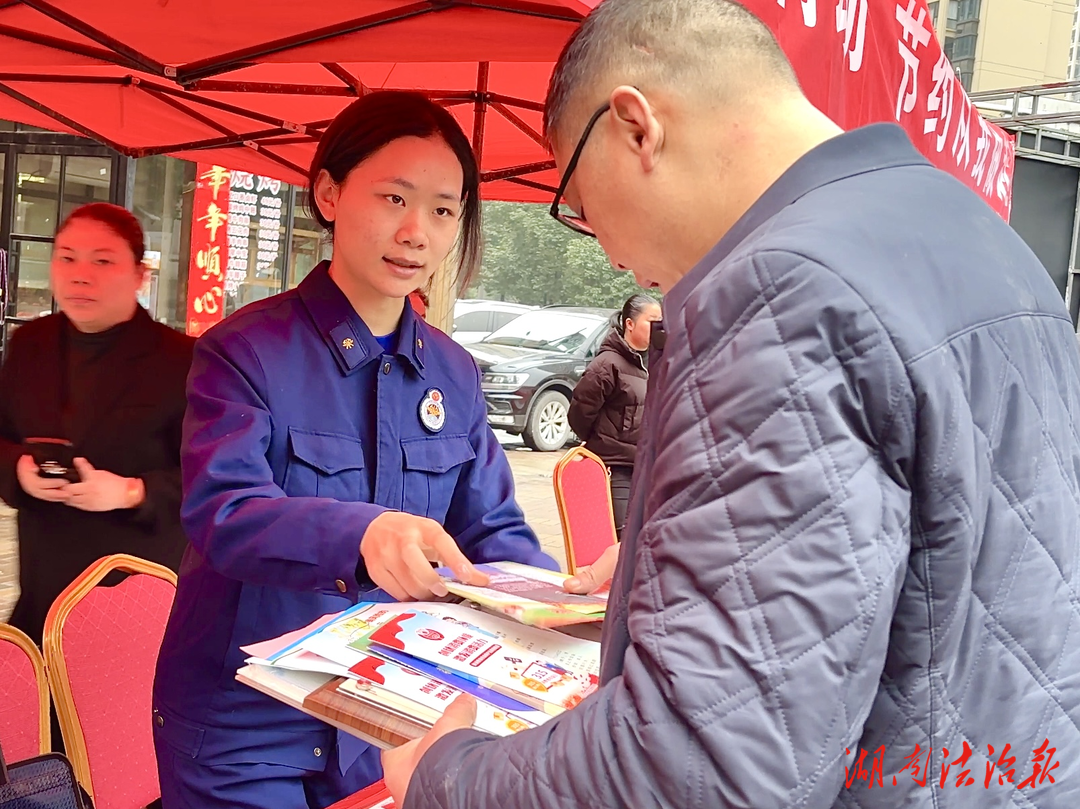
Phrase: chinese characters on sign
[809,11]
[918,767]
[858,47]
[235,241]
[914,33]
[254,251]
[206,277]
[243,206]
[851,21]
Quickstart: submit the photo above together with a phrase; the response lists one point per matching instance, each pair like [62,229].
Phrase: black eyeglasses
[572,221]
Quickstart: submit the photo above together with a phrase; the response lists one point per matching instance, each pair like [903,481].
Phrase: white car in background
[476,319]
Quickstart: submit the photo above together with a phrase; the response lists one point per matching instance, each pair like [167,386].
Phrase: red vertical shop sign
[209,249]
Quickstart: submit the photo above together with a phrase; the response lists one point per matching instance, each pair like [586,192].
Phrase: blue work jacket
[301,430]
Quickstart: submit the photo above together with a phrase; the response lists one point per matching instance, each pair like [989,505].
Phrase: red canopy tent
[250,86]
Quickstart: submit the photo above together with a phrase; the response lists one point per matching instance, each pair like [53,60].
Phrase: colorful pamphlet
[399,689]
[495,662]
[386,671]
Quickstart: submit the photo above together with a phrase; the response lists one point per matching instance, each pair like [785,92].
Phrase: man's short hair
[715,45]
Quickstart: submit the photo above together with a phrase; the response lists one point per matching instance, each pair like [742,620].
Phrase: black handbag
[42,782]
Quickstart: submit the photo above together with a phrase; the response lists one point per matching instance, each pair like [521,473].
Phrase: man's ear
[637,124]
[326,195]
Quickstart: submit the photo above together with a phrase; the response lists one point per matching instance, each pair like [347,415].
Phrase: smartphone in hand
[55,458]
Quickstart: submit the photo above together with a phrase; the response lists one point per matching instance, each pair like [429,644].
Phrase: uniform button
[318,752]
[160,721]
[341,585]
[386,368]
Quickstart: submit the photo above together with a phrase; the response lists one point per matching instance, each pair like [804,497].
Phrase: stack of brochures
[530,595]
[385,672]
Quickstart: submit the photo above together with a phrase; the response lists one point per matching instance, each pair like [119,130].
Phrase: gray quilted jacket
[854,525]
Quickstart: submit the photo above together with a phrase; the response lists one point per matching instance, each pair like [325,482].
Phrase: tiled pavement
[535,495]
[532,474]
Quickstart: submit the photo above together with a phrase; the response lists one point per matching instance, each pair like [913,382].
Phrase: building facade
[1074,46]
[994,44]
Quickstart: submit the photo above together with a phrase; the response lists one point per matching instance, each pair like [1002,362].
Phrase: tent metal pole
[277,158]
[64,46]
[140,60]
[210,143]
[483,69]
[223,106]
[516,171]
[510,101]
[520,124]
[184,108]
[532,184]
[231,61]
[220,86]
[205,68]
[357,86]
[63,79]
[63,119]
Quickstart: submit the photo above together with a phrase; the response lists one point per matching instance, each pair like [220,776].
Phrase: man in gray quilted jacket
[851,573]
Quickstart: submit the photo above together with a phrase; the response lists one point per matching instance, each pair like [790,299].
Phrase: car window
[502,318]
[594,346]
[472,321]
[564,332]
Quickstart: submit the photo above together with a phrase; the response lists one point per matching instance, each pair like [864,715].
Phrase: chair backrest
[24,697]
[583,494]
[101,647]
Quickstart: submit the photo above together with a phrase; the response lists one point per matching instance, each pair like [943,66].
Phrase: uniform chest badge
[433,411]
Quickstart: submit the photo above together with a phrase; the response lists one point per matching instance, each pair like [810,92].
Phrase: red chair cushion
[587,503]
[20,723]
[110,645]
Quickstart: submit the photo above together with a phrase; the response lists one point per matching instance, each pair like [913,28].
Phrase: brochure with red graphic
[359,648]
[421,698]
[495,662]
[575,653]
[470,685]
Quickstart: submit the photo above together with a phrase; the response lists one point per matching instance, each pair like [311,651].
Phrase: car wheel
[548,427]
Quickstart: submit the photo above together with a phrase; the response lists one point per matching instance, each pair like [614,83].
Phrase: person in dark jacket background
[104,376]
[609,401]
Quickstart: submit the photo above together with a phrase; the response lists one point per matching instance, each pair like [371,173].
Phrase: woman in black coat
[609,401]
[106,377]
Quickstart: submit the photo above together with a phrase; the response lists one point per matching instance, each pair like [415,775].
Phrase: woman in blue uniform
[333,443]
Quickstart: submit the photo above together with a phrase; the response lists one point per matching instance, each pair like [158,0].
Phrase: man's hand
[396,547]
[103,491]
[53,490]
[591,577]
[400,764]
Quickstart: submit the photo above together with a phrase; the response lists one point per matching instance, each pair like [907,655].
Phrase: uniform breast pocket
[432,468]
[324,465]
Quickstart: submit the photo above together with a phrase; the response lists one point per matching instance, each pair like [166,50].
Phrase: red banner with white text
[209,249]
[865,61]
